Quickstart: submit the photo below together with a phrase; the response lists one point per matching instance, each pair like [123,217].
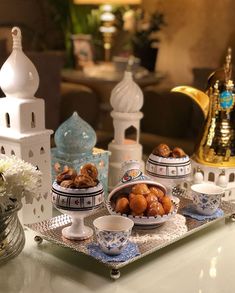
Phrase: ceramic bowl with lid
[168,171]
[131,178]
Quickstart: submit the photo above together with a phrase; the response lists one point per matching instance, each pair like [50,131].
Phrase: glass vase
[12,237]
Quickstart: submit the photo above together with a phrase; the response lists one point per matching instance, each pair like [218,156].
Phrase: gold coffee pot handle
[198,96]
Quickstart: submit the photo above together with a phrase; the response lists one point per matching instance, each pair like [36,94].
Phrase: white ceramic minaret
[126,100]
[22,124]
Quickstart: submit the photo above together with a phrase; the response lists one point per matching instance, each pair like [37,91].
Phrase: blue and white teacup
[112,233]
[206,197]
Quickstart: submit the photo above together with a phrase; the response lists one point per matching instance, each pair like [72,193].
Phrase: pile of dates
[69,178]
[163,150]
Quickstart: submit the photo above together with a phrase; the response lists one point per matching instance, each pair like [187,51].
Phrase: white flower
[18,179]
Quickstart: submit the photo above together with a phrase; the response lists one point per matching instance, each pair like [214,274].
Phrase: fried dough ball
[162,150]
[157,191]
[155,209]
[178,153]
[151,197]
[122,205]
[140,188]
[138,204]
[89,170]
[167,204]
[135,214]
[131,195]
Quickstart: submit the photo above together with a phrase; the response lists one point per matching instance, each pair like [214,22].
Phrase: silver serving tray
[50,230]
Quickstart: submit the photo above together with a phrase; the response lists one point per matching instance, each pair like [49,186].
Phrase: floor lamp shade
[107,17]
[117,2]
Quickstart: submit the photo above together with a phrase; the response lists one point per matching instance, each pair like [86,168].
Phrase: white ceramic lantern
[126,100]
[22,125]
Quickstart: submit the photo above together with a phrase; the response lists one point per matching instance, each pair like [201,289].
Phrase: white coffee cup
[206,197]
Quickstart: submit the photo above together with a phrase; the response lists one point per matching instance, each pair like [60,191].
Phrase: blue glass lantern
[75,143]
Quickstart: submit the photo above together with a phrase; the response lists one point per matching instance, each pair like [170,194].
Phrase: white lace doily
[174,228]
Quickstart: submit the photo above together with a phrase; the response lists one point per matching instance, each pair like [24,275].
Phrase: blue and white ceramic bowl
[206,197]
[77,199]
[170,171]
[142,222]
[168,168]
[77,203]
[130,178]
[112,233]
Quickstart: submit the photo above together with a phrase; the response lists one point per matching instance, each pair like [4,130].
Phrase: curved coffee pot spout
[196,95]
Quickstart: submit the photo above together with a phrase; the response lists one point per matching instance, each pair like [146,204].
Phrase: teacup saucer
[191,212]
[130,251]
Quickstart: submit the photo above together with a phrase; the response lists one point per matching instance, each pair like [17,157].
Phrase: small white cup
[112,233]
[206,197]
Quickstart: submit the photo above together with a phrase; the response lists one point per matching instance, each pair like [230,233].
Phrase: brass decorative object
[217,144]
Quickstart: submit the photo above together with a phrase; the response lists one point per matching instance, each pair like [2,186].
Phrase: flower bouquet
[18,179]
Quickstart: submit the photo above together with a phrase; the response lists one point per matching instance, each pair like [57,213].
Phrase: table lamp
[107,17]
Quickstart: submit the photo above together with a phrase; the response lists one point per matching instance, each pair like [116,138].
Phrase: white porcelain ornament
[19,81]
[126,100]
[198,177]
[222,180]
[22,125]
[127,96]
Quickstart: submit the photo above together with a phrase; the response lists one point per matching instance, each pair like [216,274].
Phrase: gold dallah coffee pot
[217,144]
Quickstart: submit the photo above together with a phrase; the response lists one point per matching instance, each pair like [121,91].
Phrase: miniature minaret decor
[126,100]
[22,125]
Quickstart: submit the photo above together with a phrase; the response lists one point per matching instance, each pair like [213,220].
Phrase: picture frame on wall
[82,50]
